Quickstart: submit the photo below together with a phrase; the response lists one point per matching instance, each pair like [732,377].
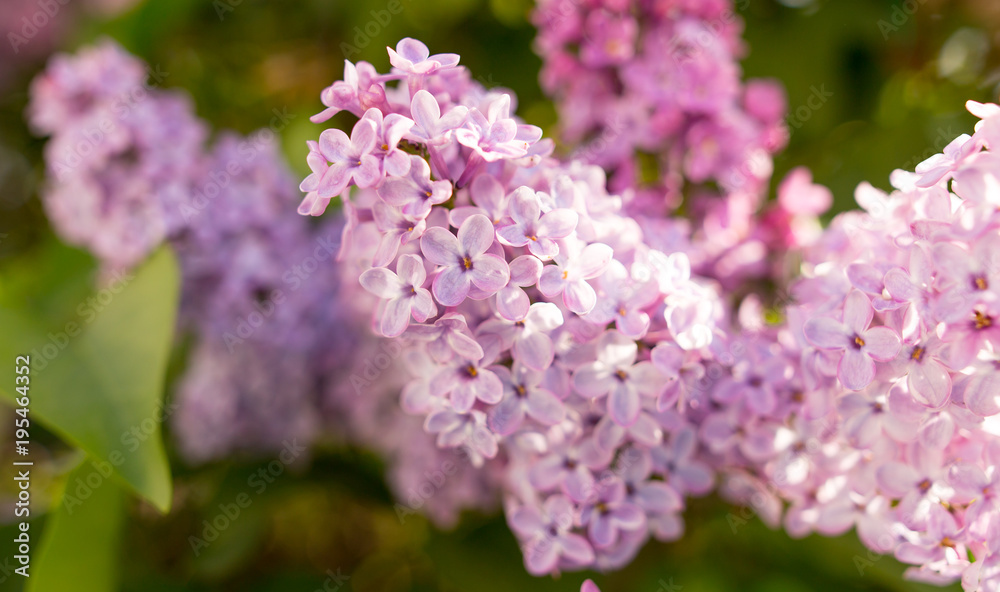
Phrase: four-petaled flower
[548,531]
[389,131]
[495,135]
[533,229]
[404,293]
[464,261]
[415,193]
[431,126]
[861,346]
[523,395]
[351,159]
[616,372]
[570,274]
[413,57]
[609,511]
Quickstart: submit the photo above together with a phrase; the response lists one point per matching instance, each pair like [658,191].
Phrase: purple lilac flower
[404,293]
[534,230]
[862,346]
[841,408]
[464,260]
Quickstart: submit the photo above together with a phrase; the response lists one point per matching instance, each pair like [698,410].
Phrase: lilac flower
[646,431]
[494,135]
[973,486]
[861,346]
[468,382]
[610,41]
[756,381]
[918,488]
[532,229]
[981,390]
[623,302]
[447,337]
[413,57]
[867,419]
[119,178]
[589,586]
[937,167]
[432,127]
[616,374]
[389,131]
[464,260]
[548,535]
[247,400]
[678,463]
[978,330]
[490,199]
[681,370]
[404,292]
[528,337]
[763,414]
[72,87]
[351,160]
[346,94]
[570,274]
[938,543]
[398,228]
[512,302]
[567,469]
[467,430]
[927,376]
[652,496]
[609,512]
[415,193]
[313,205]
[523,396]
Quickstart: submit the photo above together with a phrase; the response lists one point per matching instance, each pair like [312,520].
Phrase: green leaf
[97,375]
[81,539]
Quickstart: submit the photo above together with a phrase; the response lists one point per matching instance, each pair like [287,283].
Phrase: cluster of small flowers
[121,152]
[896,327]
[128,170]
[541,335]
[272,348]
[651,91]
[600,382]
[663,79]
[437,482]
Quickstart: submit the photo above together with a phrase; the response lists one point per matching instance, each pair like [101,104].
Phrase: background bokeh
[895,76]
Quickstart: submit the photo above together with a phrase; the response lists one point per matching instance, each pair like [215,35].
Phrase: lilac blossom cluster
[661,79]
[572,353]
[121,153]
[895,332]
[652,92]
[127,170]
[273,357]
[541,335]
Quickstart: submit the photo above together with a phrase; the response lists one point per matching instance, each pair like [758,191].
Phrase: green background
[898,96]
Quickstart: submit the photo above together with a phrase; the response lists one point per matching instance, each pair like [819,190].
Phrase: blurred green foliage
[97,366]
[897,96]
